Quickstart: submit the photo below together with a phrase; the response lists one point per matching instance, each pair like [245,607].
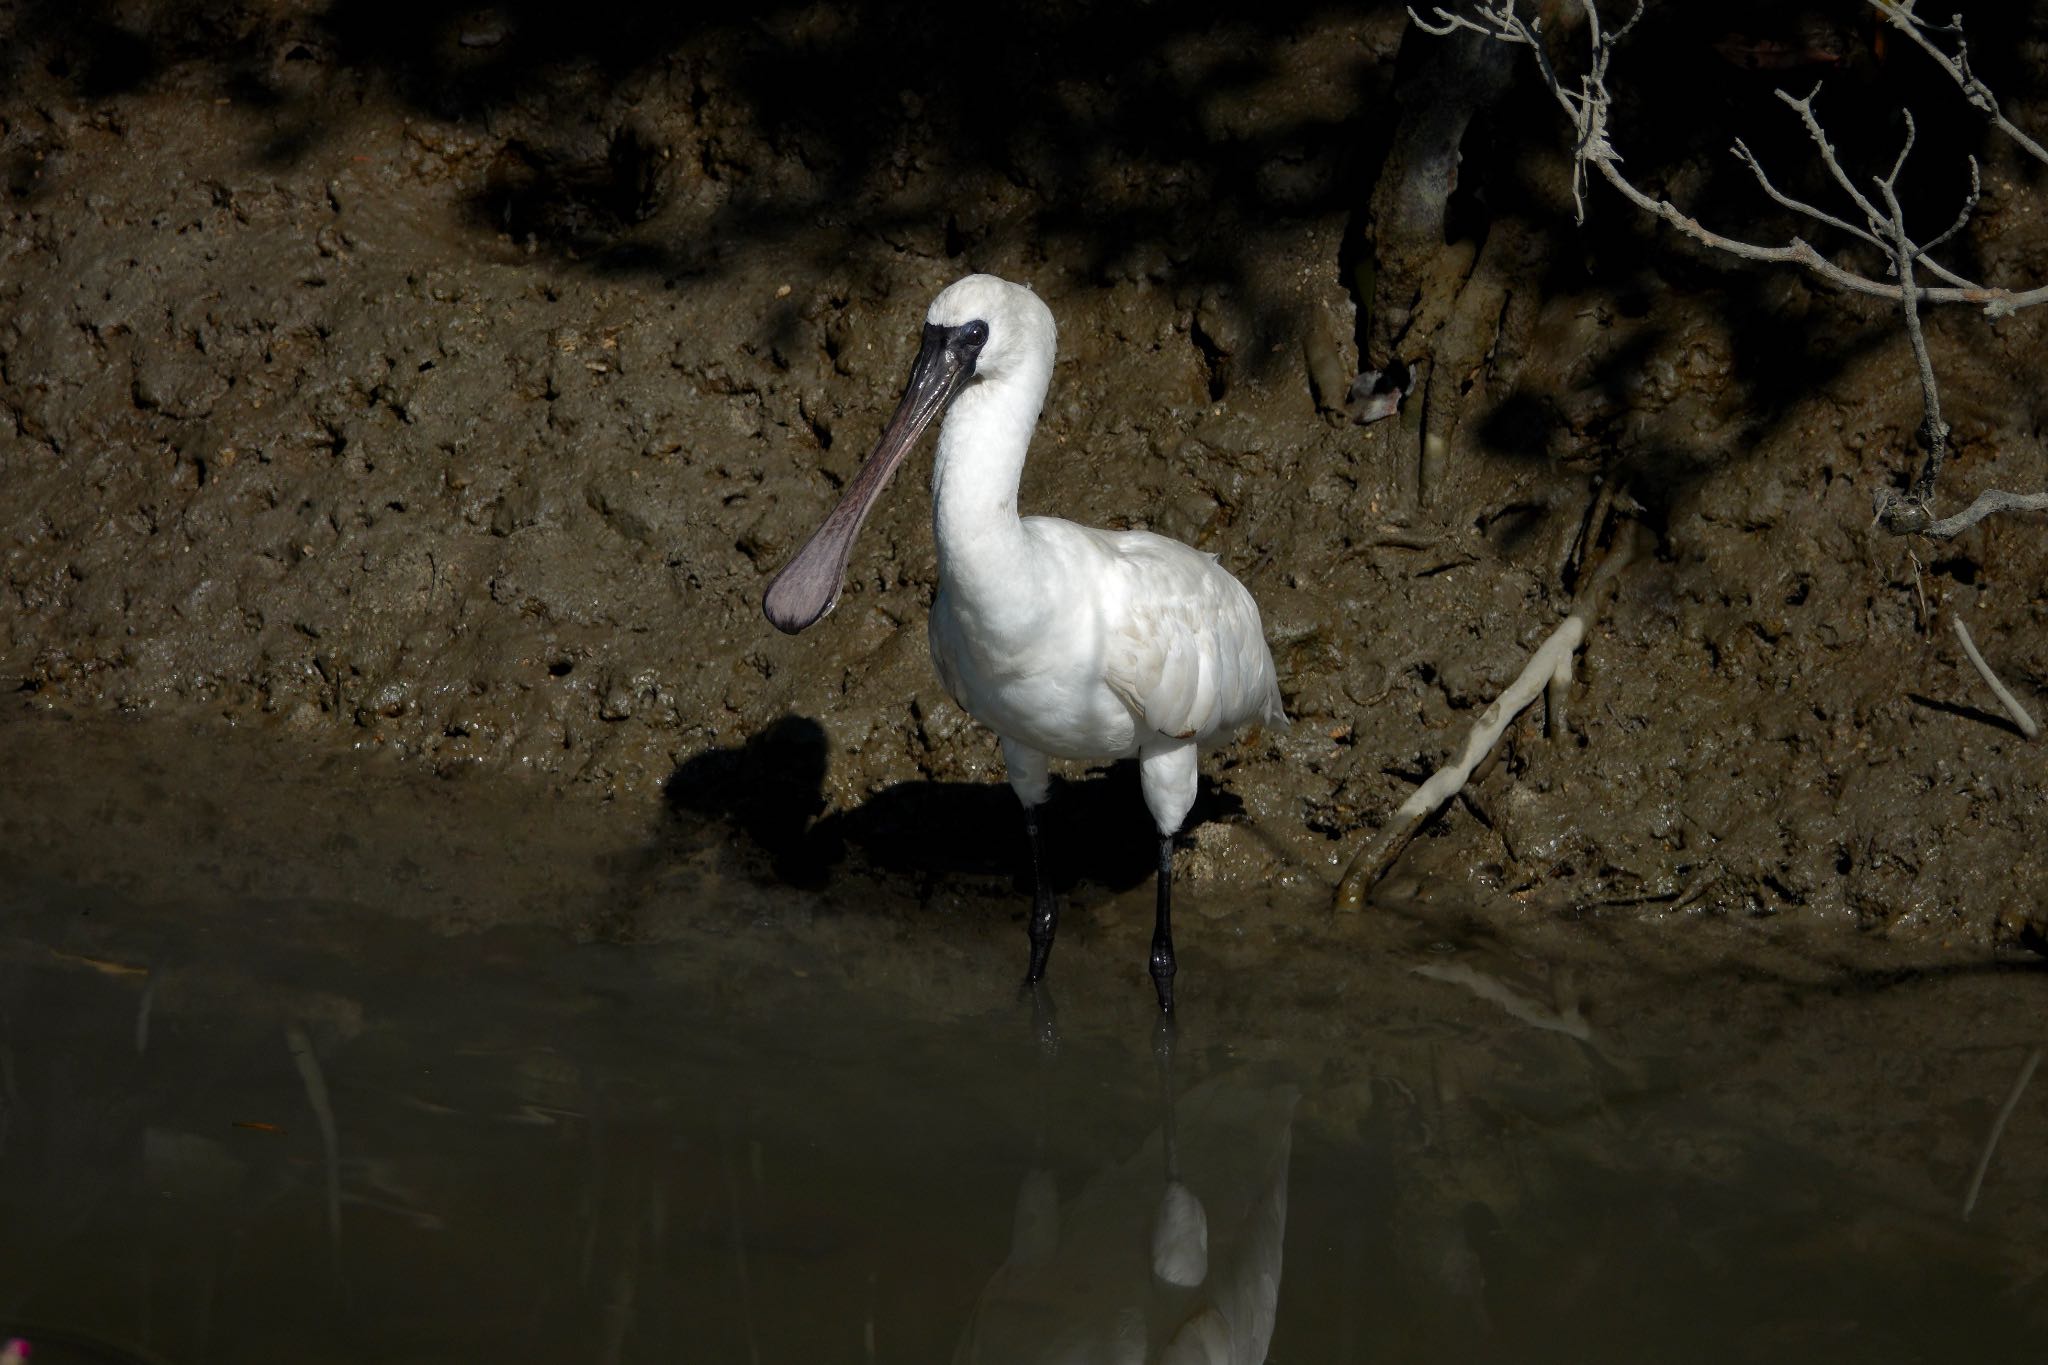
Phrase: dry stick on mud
[2020,715]
[1549,669]
[1588,108]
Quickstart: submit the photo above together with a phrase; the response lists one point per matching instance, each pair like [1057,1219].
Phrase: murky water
[247,1126]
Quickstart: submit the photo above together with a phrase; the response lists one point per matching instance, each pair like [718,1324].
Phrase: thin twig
[1997,1127]
[1963,217]
[1804,108]
[1800,206]
[1974,90]
[1932,428]
[1588,107]
[1587,110]
[2020,715]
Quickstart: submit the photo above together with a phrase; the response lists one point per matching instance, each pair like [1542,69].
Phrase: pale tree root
[1549,669]
[2019,713]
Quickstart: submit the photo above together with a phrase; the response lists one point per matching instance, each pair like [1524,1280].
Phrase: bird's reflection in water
[1171,1256]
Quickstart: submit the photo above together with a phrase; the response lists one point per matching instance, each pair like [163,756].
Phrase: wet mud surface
[447,389]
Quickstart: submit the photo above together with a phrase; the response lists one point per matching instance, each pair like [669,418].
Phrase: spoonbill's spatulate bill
[1067,641]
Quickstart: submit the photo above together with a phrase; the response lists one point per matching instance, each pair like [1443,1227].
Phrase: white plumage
[1067,641]
[1145,645]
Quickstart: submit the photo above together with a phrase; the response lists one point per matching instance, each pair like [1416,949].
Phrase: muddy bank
[449,388]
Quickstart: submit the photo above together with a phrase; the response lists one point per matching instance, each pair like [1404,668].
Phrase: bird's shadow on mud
[767,795]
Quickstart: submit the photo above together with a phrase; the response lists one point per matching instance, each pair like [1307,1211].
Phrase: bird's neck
[987,433]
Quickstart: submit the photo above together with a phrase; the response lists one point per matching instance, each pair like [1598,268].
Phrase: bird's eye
[974,334]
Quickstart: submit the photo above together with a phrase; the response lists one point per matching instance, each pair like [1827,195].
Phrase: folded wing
[1185,650]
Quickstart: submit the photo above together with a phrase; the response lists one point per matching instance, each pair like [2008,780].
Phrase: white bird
[1068,642]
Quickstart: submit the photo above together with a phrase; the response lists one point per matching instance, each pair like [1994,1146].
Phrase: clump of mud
[449,382]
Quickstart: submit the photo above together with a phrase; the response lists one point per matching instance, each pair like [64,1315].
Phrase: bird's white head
[1020,327]
[978,331]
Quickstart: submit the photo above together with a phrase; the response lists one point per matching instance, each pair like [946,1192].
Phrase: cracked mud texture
[448,381]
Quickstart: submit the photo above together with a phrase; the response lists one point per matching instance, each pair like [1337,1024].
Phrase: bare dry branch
[1933,429]
[1901,516]
[1974,90]
[1804,108]
[1588,108]
[1963,217]
[1865,235]
[1800,206]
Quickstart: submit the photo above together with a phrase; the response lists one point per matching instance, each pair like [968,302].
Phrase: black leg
[1162,928]
[1045,911]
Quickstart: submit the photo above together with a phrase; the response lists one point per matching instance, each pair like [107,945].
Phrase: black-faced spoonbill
[1067,641]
